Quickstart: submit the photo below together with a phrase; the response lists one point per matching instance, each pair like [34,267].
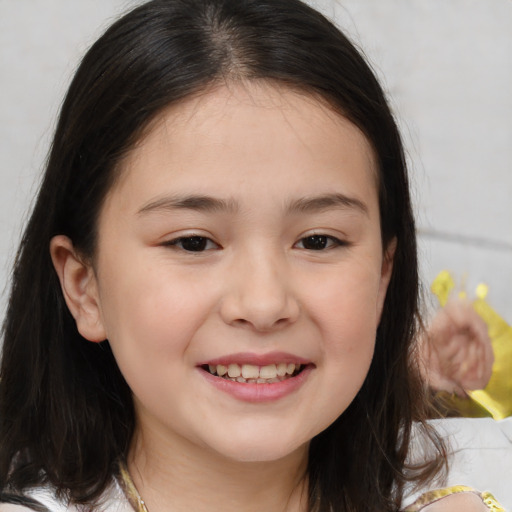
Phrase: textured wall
[447,65]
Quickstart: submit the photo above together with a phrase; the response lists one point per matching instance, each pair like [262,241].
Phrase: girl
[214,300]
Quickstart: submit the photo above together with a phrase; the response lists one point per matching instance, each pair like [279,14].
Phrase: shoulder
[44,499]
[479,455]
[454,499]
[35,499]
[10,502]
[10,507]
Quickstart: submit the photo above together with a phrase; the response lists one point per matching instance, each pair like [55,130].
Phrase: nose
[259,294]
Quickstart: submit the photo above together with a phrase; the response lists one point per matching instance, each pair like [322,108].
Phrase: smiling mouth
[252,374]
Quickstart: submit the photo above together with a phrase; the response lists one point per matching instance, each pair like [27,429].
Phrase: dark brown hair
[66,413]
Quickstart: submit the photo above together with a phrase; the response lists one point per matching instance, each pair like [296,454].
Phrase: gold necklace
[130,490]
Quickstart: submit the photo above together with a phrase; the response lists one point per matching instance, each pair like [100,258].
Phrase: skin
[280,167]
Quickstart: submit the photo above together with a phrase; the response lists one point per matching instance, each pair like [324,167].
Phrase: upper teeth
[250,371]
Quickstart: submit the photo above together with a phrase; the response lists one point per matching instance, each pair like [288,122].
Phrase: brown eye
[318,242]
[193,243]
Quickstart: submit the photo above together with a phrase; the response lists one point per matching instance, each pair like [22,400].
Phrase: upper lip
[256,359]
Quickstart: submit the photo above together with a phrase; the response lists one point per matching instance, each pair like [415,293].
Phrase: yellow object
[432,496]
[496,399]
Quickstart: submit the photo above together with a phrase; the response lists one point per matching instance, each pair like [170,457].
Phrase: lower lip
[257,393]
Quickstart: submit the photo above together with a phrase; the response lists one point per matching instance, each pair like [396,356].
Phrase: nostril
[241,321]
[261,324]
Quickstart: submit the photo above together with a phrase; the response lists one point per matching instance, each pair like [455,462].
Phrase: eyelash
[326,241]
[202,243]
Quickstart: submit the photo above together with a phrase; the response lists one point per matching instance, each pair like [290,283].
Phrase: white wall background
[447,65]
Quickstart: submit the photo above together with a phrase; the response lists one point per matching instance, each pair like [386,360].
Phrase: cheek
[150,327]
[346,306]
[345,311]
[149,314]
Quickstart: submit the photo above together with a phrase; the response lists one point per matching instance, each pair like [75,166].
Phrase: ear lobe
[79,287]
[385,275]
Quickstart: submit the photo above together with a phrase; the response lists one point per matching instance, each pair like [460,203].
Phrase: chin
[258,448]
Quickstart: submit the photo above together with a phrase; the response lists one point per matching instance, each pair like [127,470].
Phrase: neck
[178,476]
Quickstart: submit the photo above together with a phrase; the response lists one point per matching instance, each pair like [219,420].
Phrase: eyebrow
[192,202]
[327,202]
[210,204]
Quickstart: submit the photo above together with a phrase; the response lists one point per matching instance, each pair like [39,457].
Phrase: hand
[456,352]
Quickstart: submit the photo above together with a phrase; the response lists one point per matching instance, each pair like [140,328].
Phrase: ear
[385,274]
[79,287]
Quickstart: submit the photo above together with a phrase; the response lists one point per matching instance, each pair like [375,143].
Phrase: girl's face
[243,236]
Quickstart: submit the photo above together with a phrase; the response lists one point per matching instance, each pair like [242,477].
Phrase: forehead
[229,132]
